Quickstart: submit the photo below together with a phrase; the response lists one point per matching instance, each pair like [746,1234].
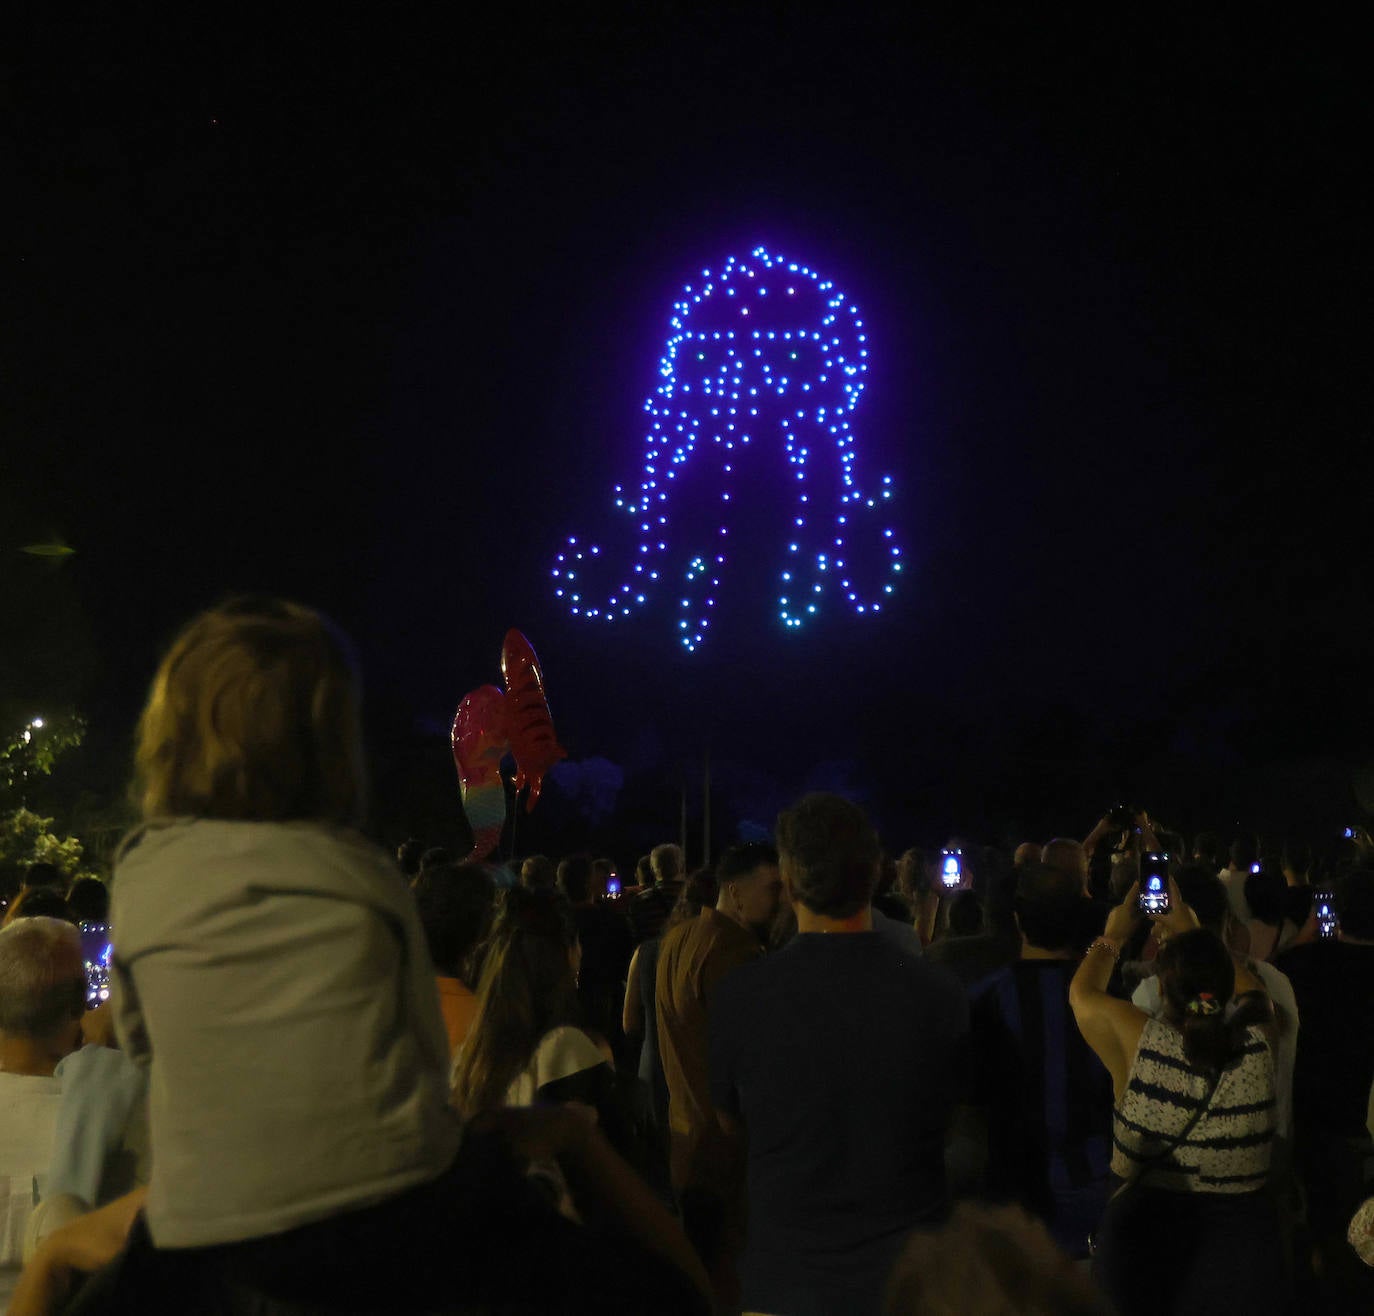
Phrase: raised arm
[1110,1026]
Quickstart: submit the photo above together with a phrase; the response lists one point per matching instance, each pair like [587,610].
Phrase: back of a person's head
[1204,893]
[88,901]
[575,879]
[44,874]
[455,905]
[1049,907]
[1243,853]
[603,870]
[644,871]
[253,715]
[409,853]
[1028,852]
[992,1260]
[42,977]
[829,851]
[434,856]
[1207,848]
[1265,894]
[1297,856]
[699,892]
[741,860]
[665,862]
[527,988]
[1197,978]
[1355,904]
[38,902]
[913,881]
[538,873]
[966,914]
[1067,856]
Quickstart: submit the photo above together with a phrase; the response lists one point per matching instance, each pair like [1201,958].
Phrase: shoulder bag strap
[1178,1140]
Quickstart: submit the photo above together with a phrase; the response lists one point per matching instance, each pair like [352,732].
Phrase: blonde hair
[253,714]
[995,1260]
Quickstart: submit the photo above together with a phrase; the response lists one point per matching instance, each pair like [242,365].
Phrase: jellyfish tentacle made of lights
[764,355]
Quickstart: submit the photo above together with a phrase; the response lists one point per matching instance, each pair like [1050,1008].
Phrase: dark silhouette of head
[88,901]
[1049,907]
[455,903]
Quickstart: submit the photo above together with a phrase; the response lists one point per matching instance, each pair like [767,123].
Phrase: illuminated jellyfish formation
[765,351]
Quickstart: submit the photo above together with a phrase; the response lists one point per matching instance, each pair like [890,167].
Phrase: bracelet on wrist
[1103,944]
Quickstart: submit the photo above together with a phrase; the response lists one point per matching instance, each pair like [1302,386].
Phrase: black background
[363,312]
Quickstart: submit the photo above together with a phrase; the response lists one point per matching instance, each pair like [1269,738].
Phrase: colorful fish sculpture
[478,738]
[528,722]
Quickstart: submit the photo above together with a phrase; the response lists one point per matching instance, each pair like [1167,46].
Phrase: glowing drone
[765,350]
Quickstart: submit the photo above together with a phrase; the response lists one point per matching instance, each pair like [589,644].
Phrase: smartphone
[1352,833]
[1326,914]
[96,949]
[951,868]
[1254,868]
[1154,883]
[612,888]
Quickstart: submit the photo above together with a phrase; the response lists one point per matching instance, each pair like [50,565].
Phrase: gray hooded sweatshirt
[275,980]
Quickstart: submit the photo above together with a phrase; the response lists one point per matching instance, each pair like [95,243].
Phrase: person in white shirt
[42,999]
[1234,875]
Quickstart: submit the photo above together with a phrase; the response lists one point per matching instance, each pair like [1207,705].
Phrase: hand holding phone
[1154,883]
[96,949]
[1324,906]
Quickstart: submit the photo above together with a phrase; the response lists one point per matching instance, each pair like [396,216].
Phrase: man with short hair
[1207,850]
[1048,1097]
[837,1060]
[1068,856]
[73,1118]
[538,873]
[694,958]
[650,909]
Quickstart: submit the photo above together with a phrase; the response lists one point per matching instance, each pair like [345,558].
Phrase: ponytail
[1198,976]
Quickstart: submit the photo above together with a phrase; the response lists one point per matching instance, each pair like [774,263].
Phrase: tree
[29,751]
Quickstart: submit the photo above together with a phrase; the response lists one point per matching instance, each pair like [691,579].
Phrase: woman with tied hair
[1194,1125]
[271,972]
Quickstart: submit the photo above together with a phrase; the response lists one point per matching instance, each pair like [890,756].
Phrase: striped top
[1228,1149]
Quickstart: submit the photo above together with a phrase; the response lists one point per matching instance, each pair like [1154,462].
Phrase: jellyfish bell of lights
[763,348]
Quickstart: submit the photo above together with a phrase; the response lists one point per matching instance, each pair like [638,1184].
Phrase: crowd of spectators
[809,1079]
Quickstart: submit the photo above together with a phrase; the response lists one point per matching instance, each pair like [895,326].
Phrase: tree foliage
[29,751]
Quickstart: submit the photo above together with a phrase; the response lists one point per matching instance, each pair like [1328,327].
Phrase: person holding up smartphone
[1194,1123]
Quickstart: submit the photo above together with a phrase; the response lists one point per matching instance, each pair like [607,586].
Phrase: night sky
[364,313]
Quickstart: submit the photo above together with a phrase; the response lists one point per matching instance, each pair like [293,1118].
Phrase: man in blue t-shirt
[839,1056]
[1048,1098]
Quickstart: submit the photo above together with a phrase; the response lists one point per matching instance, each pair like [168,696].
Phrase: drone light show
[765,360]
